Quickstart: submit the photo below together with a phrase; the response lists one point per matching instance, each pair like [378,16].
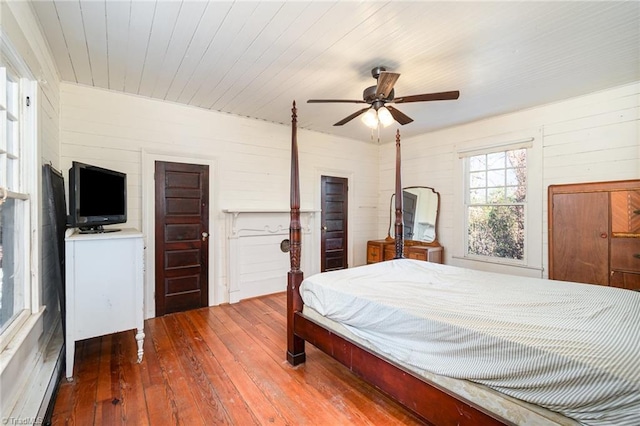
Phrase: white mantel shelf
[253,217]
[238,211]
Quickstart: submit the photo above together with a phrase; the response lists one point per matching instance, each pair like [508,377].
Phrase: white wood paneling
[117,20]
[164,19]
[589,138]
[110,130]
[141,19]
[182,34]
[252,58]
[200,62]
[96,36]
[73,29]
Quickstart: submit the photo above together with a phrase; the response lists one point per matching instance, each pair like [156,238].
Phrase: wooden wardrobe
[594,233]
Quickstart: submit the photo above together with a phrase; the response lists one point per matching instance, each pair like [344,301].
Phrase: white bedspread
[571,348]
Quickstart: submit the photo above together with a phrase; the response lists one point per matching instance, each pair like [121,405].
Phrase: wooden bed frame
[427,400]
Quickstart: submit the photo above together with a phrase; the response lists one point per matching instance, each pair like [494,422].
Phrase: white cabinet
[104,287]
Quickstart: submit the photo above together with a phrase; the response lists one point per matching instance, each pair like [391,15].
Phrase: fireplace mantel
[236,230]
[255,263]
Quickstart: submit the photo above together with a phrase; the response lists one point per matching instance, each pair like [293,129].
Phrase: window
[17,177]
[496,204]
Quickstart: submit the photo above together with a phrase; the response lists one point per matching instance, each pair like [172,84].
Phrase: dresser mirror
[421,205]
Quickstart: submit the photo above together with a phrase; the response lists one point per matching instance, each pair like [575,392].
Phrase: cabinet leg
[140,341]
[70,353]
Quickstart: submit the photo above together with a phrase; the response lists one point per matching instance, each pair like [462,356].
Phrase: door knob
[204,236]
[324,228]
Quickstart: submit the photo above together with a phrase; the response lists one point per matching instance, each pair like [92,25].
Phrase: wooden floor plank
[132,401]
[260,405]
[175,378]
[226,393]
[204,393]
[267,376]
[85,379]
[160,407]
[219,365]
[352,401]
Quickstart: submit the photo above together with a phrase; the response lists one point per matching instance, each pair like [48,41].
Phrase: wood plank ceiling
[253,58]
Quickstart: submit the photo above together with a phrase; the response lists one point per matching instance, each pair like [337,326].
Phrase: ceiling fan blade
[440,96]
[351,117]
[344,101]
[399,116]
[386,81]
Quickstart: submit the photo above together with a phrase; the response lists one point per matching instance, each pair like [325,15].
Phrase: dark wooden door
[181,234]
[580,234]
[334,223]
[409,203]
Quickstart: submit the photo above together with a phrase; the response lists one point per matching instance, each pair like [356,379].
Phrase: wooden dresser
[379,250]
[594,233]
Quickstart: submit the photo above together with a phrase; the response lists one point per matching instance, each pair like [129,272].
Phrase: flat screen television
[97,197]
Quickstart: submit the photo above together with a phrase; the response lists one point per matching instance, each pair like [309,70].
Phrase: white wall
[586,139]
[28,364]
[251,158]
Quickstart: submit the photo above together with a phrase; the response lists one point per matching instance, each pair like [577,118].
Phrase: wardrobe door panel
[580,234]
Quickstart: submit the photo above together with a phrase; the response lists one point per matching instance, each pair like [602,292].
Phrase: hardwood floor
[218,365]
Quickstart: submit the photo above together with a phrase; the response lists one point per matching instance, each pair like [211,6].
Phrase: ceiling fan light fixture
[385,116]
[370,118]
[376,96]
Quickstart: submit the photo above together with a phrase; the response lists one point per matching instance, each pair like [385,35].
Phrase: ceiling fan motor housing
[375,72]
[369,95]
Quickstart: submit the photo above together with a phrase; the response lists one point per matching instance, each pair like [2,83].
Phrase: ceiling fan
[381,94]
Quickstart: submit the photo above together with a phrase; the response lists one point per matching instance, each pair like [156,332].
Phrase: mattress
[569,348]
[510,409]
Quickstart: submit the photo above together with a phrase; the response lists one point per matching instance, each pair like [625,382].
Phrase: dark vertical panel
[334,196]
[53,254]
[181,213]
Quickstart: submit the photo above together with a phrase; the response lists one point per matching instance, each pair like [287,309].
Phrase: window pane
[514,194]
[12,137]
[478,180]
[496,195]
[496,160]
[517,158]
[477,163]
[12,175]
[495,178]
[477,196]
[496,231]
[10,294]
[512,176]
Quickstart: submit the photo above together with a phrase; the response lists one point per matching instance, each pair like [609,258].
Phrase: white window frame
[468,204]
[531,264]
[27,191]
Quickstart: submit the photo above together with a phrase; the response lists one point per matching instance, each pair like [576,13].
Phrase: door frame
[346,174]
[149,157]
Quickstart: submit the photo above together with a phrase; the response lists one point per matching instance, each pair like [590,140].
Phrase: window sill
[14,328]
[16,335]
[499,267]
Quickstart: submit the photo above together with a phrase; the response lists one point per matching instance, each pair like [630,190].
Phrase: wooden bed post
[420,396]
[399,225]
[295,345]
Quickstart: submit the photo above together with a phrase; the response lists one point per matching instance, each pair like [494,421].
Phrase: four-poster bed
[439,399]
